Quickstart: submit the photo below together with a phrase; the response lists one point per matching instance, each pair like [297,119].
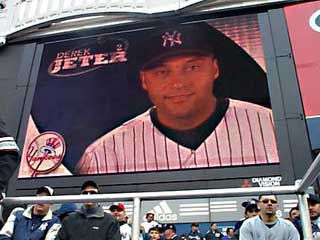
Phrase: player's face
[268,205]
[181,87]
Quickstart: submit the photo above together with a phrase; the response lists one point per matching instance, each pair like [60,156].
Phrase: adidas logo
[163,212]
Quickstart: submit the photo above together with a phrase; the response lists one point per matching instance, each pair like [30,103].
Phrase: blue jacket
[19,226]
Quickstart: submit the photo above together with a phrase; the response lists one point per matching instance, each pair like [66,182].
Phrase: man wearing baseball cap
[119,213]
[195,234]
[251,210]
[314,211]
[183,69]
[170,232]
[213,233]
[36,222]
[90,221]
[149,222]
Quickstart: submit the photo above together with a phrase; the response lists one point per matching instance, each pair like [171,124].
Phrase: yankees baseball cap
[236,67]
[45,189]
[119,207]
[178,40]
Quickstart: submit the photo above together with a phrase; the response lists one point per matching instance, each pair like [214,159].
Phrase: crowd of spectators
[91,221]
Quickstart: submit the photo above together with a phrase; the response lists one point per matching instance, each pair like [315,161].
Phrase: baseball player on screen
[188,127]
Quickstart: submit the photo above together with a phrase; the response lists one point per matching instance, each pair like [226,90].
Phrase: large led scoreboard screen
[177,102]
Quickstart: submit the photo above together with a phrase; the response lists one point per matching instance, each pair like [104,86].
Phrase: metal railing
[298,189]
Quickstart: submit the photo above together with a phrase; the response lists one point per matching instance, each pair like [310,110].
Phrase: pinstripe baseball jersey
[244,136]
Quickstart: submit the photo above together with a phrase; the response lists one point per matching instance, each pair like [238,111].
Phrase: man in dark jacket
[90,222]
[195,233]
[9,158]
[170,232]
[213,233]
[314,211]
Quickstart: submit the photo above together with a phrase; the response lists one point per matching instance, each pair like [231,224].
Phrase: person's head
[294,212]
[43,208]
[149,217]
[65,210]
[214,226]
[194,227]
[154,233]
[229,232]
[179,74]
[314,206]
[268,205]
[251,208]
[118,212]
[169,230]
[142,229]
[89,188]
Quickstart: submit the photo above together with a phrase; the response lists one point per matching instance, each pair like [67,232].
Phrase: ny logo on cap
[171,39]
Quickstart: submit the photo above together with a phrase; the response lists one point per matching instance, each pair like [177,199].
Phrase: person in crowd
[9,158]
[195,234]
[154,233]
[213,233]
[143,235]
[251,210]
[229,236]
[119,213]
[170,232]
[180,68]
[314,211]
[90,221]
[149,222]
[267,225]
[37,222]
[294,213]
[65,210]
[161,230]
[7,209]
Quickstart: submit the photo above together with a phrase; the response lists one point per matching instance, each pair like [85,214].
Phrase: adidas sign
[163,212]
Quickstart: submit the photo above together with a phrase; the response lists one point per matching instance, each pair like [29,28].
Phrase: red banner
[303,22]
